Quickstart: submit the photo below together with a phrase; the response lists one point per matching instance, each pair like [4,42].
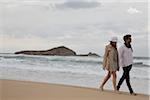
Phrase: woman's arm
[105,57]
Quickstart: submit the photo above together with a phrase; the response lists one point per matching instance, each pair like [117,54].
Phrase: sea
[82,71]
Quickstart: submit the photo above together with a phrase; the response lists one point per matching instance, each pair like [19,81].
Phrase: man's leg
[122,78]
[128,79]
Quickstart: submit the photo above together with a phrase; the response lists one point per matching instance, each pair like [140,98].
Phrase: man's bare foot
[134,94]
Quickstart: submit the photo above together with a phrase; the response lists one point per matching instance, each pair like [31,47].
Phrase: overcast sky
[82,25]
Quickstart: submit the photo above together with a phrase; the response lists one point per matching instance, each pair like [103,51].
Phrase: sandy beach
[21,90]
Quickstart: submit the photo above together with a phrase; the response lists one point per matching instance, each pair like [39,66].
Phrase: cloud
[45,4]
[29,26]
[62,4]
[78,4]
[132,10]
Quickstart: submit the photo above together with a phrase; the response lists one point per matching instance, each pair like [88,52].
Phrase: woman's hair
[111,43]
[126,37]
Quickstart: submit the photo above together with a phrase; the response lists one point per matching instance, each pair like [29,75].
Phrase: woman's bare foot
[117,91]
[101,88]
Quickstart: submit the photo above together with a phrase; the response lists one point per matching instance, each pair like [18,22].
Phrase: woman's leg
[105,80]
[114,80]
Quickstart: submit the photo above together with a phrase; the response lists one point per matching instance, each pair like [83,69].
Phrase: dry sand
[21,90]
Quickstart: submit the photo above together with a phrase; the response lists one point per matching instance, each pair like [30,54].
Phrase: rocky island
[89,54]
[58,51]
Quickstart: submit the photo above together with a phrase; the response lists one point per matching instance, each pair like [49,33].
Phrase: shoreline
[27,90]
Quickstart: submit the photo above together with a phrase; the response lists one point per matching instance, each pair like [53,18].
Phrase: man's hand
[118,69]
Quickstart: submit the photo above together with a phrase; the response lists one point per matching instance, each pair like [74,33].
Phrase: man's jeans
[126,72]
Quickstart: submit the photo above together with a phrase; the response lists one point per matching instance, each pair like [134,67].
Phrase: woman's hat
[114,39]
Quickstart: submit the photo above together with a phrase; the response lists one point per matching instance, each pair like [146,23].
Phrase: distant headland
[57,51]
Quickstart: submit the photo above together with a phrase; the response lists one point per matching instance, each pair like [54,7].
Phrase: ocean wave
[52,59]
[62,71]
[30,59]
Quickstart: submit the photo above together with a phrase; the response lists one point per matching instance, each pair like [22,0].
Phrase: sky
[81,25]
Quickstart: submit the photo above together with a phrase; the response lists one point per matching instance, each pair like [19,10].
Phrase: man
[126,61]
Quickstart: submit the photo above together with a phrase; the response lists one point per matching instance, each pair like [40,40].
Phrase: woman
[111,62]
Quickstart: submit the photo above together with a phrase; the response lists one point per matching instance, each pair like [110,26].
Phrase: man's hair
[126,37]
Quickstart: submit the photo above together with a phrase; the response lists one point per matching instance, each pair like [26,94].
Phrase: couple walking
[114,59]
